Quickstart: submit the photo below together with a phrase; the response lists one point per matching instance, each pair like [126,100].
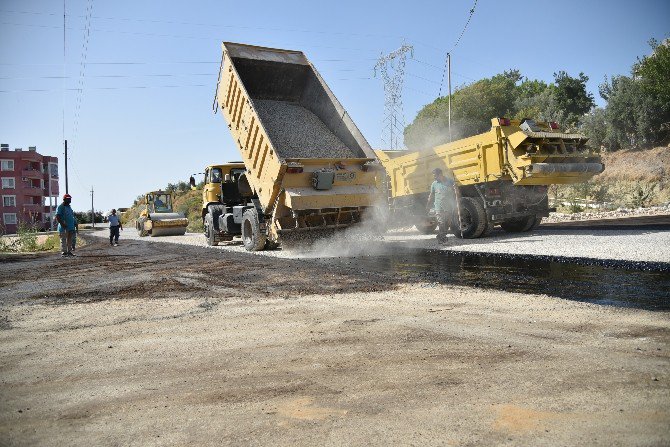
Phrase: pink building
[28,189]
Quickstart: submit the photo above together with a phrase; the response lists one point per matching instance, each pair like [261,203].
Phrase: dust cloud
[363,239]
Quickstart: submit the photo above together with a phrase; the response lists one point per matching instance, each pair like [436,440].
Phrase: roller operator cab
[157,218]
[501,176]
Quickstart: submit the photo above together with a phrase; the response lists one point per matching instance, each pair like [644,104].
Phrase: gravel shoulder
[628,244]
[162,344]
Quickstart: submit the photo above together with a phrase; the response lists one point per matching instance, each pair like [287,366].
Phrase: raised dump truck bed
[308,165]
[502,175]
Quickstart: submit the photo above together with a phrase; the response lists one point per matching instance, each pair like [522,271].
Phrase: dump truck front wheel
[252,238]
[210,233]
[473,219]
[519,225]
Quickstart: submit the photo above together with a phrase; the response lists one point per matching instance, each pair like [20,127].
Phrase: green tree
[594,126]
[572,97]
[634,117]
[543,106]
[473,106]
[653,71]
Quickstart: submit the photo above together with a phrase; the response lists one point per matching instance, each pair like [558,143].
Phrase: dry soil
[165,344]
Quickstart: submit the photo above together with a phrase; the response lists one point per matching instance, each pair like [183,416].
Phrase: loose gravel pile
[296,132]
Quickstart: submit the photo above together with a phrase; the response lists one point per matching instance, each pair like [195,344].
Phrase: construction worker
[114,227]
[66,225]
[440,199]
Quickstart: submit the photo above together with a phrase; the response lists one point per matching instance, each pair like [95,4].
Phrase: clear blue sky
[144,116]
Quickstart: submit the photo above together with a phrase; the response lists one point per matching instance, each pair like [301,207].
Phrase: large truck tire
[210,232]
[473,219]
[252,238]
[487,229]
[519,225]
[538,221]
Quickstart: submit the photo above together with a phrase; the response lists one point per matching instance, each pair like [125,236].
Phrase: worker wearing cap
[440,200]
[66,225]
[114,227]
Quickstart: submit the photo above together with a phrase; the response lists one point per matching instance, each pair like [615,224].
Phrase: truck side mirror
[191,181]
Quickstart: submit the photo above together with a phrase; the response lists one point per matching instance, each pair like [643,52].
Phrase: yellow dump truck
[502,176]
[158,219]
[308,167]
[222,204]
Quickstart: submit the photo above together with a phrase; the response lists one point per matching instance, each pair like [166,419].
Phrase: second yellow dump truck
[308,167]
[502,176]
[222,203]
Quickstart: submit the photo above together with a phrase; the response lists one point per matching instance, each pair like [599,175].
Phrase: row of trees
[637,111]
[638,106]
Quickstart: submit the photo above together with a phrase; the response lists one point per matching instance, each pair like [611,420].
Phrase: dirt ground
[164,344]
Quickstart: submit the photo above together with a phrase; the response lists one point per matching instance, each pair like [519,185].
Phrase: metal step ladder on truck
[157,218]
[309,170]
[502,176]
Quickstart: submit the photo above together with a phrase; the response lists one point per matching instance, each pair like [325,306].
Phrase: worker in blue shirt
[114,227]
[66,225]
[440,199]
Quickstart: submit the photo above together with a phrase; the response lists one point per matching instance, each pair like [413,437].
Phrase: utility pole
[66,186]
[449,83]
[92,210]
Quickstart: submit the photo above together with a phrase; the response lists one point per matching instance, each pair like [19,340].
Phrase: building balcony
[32,207]
[32,173]
[29,156]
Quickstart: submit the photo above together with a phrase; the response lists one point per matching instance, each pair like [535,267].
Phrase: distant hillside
[651,165]
[633,178]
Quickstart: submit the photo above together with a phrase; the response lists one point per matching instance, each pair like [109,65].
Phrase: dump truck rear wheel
[538,221]
[473,219]
[487,229]
[252,238]
[209,231]
[519,225]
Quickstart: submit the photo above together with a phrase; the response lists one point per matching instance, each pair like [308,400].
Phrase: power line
[112,76]
[82,69]
[218,25]
[104,88]
[472,11]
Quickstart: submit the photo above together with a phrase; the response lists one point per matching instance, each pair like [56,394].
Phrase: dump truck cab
[220,184]
[158,218]
[222,202]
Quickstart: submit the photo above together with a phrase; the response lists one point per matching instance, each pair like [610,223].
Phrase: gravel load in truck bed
[296,132]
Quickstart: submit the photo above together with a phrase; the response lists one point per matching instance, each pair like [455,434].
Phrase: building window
[8,183]
[9,218]
[6,165]
[8,200]
[53,170]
